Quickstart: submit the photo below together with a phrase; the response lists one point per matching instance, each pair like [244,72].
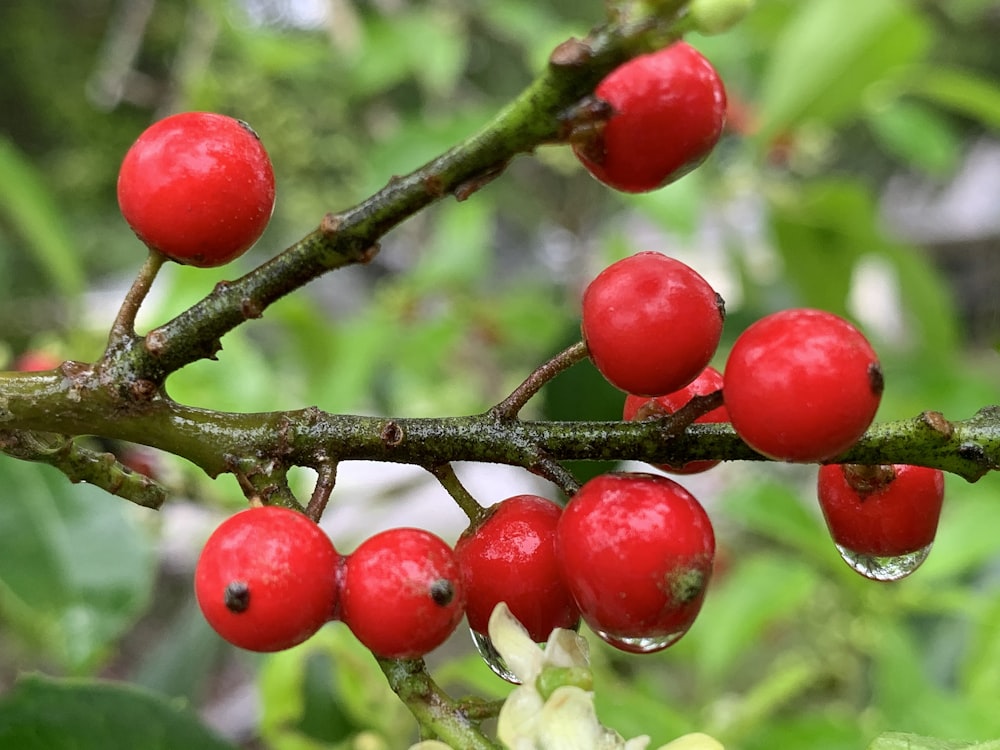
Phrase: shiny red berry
[643,407]
[403,593]
[802,385]
[636,551]
[651,323]
[883,511]
[668,111]
[267,579]
[510,557]
[198,187]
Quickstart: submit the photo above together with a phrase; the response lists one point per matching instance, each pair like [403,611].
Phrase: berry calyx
[266,579]
[802,385]
[643,407]
[882,511]
[198,187]
[636,551]
[651,323]
[403,593]
[510,557]
[668,111]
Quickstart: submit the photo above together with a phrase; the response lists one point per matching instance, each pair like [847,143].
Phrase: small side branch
[511,406]
[81,464]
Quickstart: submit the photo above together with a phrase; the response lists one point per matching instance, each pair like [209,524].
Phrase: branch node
[935,422]
[392,434]
[572,53]
[331,224]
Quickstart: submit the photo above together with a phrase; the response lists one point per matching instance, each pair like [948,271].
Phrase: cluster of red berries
[632,554]
[799,385]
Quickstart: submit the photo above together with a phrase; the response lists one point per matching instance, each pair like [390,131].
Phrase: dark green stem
[446,475]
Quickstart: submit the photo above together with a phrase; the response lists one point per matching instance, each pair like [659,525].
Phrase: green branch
[534,118]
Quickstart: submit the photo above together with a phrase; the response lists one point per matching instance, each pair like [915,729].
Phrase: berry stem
[325,481]
[446,475]
[511,406]
[438,715]
[123,329]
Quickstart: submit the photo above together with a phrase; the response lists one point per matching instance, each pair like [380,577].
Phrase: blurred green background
[860,173]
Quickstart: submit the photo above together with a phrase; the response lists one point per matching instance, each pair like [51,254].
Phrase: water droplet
[492,657]
[890,568]
[641,645]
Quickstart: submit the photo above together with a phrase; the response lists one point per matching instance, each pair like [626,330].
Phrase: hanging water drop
[492,657]
[890,568]
[643,644]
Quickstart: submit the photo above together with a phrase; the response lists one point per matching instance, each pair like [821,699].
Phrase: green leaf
[75,571]
[962,91]
[30,208]
[353,691]
[917,134]
[757,594]
[774,510]
[905,741]
[828,55]
[41,713]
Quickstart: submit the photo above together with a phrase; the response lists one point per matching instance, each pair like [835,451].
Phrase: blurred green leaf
[917,134]
[903,741]
[759,593]
[776,511]
[354,692]
[962,91]
[29,206]
[40,713]
[75,571]
[827,56]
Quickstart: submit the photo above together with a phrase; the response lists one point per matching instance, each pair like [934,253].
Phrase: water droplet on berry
[642,644]
[890,568]
[492,657]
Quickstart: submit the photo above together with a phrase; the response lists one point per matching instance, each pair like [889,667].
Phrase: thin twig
[123,328]
[511,406]
[446,475]
[325,481]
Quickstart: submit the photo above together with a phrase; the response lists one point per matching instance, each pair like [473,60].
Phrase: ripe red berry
[802,385]
[510,557]
[883,511]
[643,407]
[668,110]
[198,187]
[651,323]
[403,593]
[636,551]
[267,579]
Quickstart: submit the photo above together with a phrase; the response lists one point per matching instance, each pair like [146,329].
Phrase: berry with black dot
[403,593]
[267,578]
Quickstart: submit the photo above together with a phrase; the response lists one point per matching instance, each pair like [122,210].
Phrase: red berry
[36,360]
[198,187]
[802,385]
[403,593]
[510,557]
[668,110]
[651,323]
[636,551]
[883,511]
[267,579]
[642,407]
